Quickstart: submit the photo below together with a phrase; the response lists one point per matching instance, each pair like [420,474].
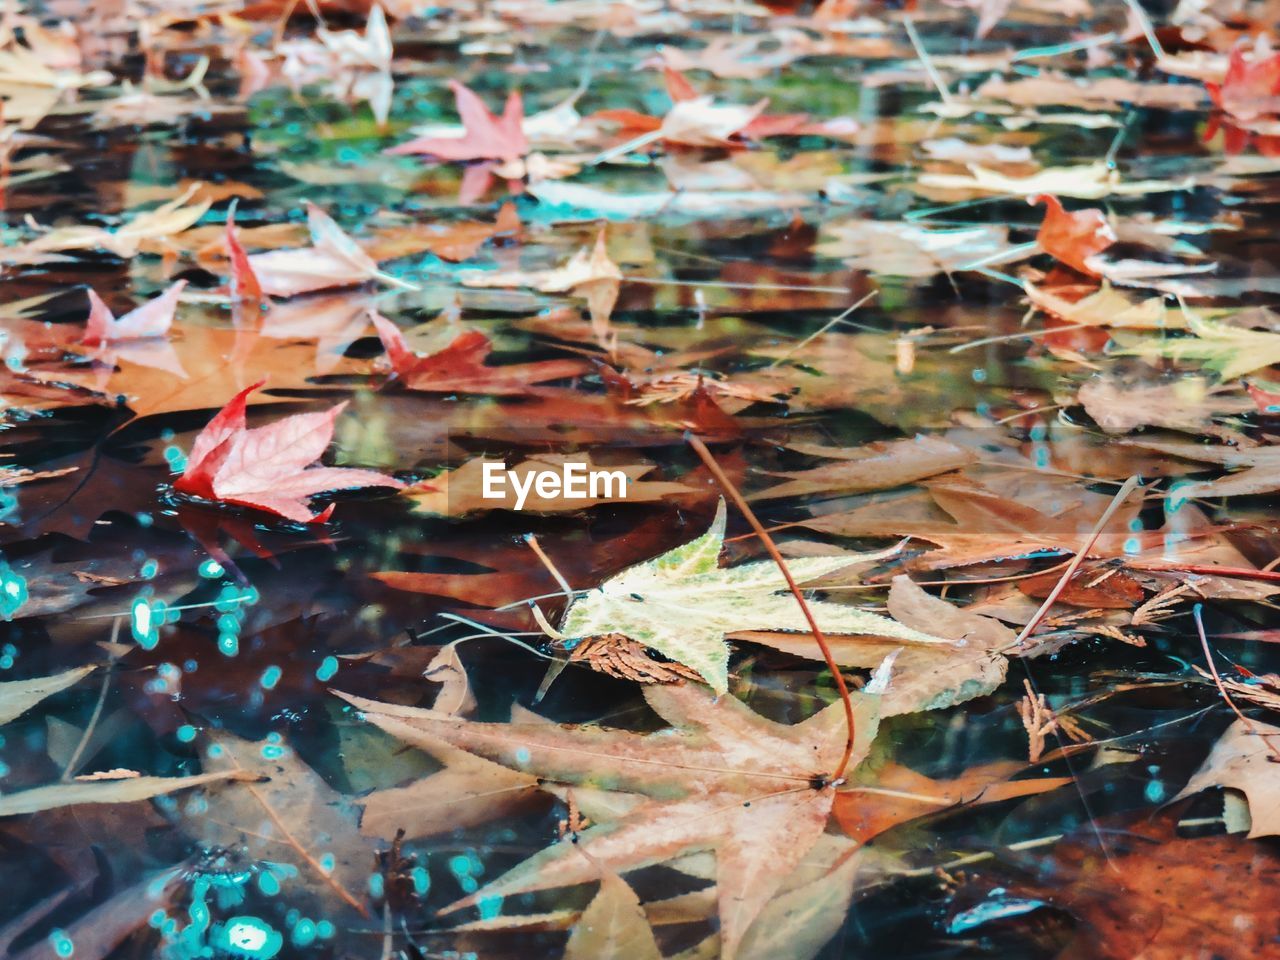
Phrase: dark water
[252,621]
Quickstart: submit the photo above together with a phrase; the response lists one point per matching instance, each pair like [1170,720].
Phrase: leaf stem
[729,488]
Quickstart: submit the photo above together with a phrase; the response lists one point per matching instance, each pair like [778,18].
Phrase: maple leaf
[487,137]
[289,812]
[1244,759]
[1250,88]
[589,273]
[975,522]
[1188,404]
[269,467]
[152,319]
[1229,350]
[1072,237]
[1088,182]
[19,696]
[460,367]
[1107,307]
[750,789]
[612,926]
[682,604]
[333,260]
[199,366]
[933,677]
[585,266]
[455,241]
[470,790]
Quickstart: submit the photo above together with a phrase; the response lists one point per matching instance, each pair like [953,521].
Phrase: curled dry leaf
[1244,759]
[334,259]
[142,233]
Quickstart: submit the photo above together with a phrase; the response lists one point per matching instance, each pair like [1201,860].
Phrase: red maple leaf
[460,367]
[152,319]
[1072,237]
[244,285]
[1250,89]
[487,137]
[269,468]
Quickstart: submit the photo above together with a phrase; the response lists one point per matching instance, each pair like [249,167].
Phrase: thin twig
[925,61]
[1208,656]
[824,328]
[728,486]
[69,770]
[1121,496]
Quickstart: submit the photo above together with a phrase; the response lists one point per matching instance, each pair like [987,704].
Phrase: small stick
[701,450]
[532,541]
[1208,656]
[824,328]
[69,770]
[925,62]
[1121,496]
[1147,29]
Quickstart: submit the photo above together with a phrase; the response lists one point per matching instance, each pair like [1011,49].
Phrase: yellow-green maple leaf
[1230,351]
[683,602]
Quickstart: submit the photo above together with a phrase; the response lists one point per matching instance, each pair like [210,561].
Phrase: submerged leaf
[19,696]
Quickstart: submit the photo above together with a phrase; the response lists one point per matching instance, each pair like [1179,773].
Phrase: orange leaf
[1072,237]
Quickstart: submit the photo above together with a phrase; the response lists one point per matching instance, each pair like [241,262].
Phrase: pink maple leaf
[152,319]
[487,137]
[270,468]
[1250,88]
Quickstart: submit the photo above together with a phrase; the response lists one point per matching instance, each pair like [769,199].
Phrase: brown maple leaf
[460,367]
[724,779]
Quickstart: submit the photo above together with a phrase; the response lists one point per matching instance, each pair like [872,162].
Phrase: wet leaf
[697,804]
[613,927]
[1244,759]
[19,696]
[269,468]
[683,603]
[124,790]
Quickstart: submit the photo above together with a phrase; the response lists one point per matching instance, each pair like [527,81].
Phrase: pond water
[219,633]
